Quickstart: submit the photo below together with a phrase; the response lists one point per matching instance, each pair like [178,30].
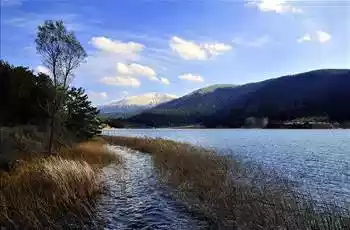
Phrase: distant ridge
[212,88]
[323,92]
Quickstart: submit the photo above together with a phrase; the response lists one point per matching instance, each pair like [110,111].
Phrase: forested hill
[316,93]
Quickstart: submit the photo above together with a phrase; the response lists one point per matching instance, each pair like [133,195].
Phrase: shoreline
[217,187]
[226,128]
[199,178]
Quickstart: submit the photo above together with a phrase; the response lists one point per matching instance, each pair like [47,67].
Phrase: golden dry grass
[93,152]
[232,194]
[50,192]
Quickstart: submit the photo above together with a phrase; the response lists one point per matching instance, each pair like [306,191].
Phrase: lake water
[318,160]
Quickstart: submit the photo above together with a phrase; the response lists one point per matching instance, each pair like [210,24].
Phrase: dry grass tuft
[231,194]
[53,191]
[36,194]
[93,152]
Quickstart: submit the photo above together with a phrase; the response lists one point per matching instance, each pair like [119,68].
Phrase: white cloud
[216,48]
[277,6]
[164,81]
[110,62]
[137,70]
[189,50]
[122,68]
[116,63]
[104,95]
[323,37]
[318,36]
[124,62]
[42,69]
[191,77]
[305,38]
[121,81]
[117,47]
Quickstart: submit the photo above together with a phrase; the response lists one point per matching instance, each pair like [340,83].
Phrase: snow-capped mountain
[133,105]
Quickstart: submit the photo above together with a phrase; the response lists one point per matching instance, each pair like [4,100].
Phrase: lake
[317,160]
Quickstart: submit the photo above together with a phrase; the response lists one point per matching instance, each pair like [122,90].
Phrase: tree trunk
[52,132]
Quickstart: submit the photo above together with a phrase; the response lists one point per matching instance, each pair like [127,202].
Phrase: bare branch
[61,53]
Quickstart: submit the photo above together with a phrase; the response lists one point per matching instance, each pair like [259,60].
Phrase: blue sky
[177,46]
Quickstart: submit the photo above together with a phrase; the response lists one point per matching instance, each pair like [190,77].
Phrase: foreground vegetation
[232,194]
[47,180]
[54,192]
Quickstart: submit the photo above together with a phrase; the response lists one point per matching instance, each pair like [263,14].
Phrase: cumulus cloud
[114,60]
[323,37]
[164,81]
[191,77]
[102,61]
[216,48]
[42,69]
[116,63]
[277,6]
[305,38]
[190,50]
[137,70]
[318,36]
[117,47]
[126,81]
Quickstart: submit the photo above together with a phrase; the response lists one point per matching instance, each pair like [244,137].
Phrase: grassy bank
[52,192]
[232,194]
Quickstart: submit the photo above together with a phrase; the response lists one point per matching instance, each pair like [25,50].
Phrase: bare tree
[61,53]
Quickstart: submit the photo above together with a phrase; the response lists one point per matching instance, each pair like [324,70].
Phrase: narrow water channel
[136,199]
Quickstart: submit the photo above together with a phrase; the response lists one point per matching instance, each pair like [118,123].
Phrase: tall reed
[54,192]
[231,194]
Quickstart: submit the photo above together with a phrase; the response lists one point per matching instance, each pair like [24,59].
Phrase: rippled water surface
[137,201]
[319,160]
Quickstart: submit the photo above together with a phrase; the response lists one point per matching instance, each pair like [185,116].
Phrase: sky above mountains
[177,46]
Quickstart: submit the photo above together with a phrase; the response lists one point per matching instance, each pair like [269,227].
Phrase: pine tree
[81,117]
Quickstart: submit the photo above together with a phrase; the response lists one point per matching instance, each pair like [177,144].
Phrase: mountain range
[318,93]
[133,105]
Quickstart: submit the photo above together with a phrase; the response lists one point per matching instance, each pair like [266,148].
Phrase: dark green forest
[26,97]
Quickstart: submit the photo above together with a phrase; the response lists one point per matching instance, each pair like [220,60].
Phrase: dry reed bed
[230,194]
[93,152]
[52,192]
